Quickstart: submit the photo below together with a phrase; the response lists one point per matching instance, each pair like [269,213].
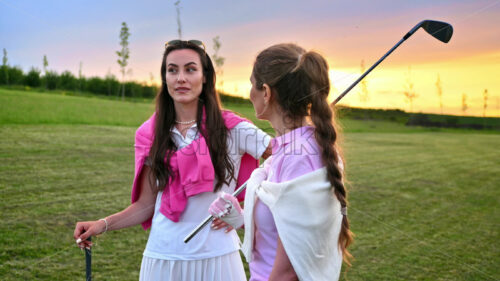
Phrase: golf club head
[438,29]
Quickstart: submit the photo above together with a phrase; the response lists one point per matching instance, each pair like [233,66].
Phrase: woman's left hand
[218,224]
[227,208]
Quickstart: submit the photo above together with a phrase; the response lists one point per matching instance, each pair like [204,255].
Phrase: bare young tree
[109,81]
[439,89]
[151,79]
[45,64]
[178,11]
[219,62]
[80,77]
[464,103]
[123,54]
[4,66]
[4,58]
[485,101]
[409,91]
[363,95]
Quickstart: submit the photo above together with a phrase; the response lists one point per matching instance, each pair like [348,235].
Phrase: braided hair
[301,85]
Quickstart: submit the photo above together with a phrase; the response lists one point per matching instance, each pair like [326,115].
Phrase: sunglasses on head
[178,42]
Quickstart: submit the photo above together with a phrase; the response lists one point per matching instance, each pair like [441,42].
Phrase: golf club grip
[88,262]
[210,218]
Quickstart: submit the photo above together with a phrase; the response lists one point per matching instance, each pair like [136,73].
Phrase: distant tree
[96,85]
[16,75]
[409,91]
[134,89]
[67,81]
[123,54]
[4,58]
[151,79]
[439,89]
[219,62]
[485,101]
[32,79]
[178,11]
[130,73]
[5,68]
[80,77]
[464,103]
[363,95]
[45,64]
[52,80]
[109,81]
[4,73]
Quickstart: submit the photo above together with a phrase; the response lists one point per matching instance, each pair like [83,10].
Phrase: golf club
[438,29]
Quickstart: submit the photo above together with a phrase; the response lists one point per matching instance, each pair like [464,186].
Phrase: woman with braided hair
[295,215]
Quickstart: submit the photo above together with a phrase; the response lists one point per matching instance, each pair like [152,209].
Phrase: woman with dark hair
[187,153]
[295,213]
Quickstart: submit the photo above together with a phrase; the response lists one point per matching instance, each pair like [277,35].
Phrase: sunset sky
[345,32]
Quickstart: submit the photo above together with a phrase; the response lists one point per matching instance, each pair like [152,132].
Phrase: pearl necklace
[185,122]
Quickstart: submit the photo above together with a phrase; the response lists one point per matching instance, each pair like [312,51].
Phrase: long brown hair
[214,130]
[301,85]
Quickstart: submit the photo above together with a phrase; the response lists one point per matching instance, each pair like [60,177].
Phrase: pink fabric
[294,154]
[191,165]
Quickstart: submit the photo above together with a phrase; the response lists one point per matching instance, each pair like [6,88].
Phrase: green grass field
[424,204]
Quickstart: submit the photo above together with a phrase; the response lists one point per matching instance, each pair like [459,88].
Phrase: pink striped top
[294,154]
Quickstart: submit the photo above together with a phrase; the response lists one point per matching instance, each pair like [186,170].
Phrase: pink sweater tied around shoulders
[192,168]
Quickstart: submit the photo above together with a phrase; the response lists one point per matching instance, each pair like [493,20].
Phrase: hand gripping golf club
[210,218]
[438,29]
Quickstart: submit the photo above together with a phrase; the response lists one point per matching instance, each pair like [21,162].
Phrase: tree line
[51,80]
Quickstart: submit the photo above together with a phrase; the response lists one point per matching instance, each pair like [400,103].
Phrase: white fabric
[257,177]
[166,237]
[223,268]
[308,219]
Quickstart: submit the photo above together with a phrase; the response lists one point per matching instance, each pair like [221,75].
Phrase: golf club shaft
[88,262]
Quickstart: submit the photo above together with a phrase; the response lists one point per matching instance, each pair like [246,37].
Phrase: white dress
[211,254]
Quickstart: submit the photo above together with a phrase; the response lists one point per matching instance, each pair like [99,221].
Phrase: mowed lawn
[424,205]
